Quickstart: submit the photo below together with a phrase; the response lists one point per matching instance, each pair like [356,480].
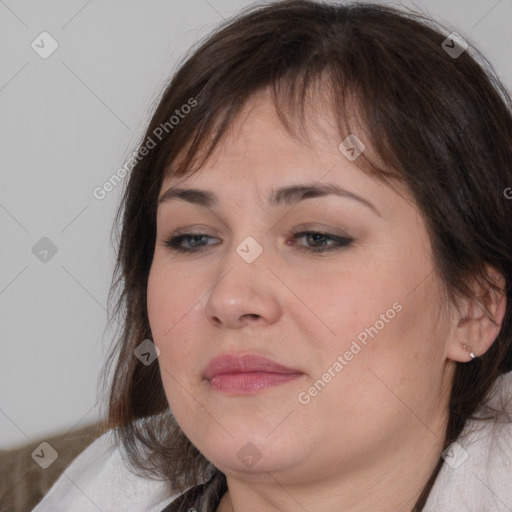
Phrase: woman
[315,266]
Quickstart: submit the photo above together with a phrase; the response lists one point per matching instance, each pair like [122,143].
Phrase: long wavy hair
[438,123]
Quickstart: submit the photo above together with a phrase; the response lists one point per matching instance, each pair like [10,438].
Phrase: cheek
[350,307]
[168,300]
[377,322]
[172,313]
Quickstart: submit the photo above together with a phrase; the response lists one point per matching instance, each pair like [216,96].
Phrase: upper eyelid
[273,227]
[303,226]
[303,231]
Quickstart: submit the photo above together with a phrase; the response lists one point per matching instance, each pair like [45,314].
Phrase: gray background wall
[67,123]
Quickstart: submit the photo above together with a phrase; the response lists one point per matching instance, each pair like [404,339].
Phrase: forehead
[258,151]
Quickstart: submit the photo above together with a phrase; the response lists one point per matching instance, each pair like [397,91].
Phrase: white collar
[99,480]
[477,471]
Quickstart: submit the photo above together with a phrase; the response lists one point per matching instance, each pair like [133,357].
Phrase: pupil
[318,235]
[196,237]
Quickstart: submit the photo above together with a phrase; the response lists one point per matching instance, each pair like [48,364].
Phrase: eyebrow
[282,196]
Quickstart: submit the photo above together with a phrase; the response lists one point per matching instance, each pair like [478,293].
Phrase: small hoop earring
[468,349]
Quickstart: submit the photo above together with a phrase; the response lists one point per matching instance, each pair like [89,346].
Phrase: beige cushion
[23,482]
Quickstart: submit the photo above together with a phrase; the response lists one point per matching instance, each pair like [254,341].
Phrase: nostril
[251,315]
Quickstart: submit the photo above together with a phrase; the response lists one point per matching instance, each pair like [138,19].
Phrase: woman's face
[357,324]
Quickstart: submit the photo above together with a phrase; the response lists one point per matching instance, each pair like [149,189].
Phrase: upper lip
[226,363]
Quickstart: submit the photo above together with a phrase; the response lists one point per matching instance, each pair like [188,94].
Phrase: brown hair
[440,125]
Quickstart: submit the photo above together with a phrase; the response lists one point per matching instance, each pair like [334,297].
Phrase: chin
[251,450]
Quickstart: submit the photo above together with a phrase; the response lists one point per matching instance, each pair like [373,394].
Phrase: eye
[175,242]
[319,236]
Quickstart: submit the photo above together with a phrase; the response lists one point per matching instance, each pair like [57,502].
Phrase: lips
[242,375]
[231,364]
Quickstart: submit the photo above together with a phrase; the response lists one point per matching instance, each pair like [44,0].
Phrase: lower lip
[243,383]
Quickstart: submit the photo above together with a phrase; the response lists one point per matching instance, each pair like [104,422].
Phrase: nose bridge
[249,232]
[245,255]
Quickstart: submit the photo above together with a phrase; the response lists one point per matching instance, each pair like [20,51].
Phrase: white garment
[99,481]
[483,482]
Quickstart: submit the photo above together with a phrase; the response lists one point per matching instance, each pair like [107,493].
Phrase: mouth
[247,374]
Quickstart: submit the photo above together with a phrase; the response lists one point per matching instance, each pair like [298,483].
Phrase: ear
[478,321]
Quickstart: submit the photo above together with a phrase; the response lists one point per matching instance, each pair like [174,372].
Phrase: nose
[246,292]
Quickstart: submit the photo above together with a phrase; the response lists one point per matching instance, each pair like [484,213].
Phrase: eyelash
[174,242]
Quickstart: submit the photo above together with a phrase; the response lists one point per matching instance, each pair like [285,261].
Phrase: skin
[371,437]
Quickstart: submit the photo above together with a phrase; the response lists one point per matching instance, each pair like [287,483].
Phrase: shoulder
[477,469]
[99,479]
